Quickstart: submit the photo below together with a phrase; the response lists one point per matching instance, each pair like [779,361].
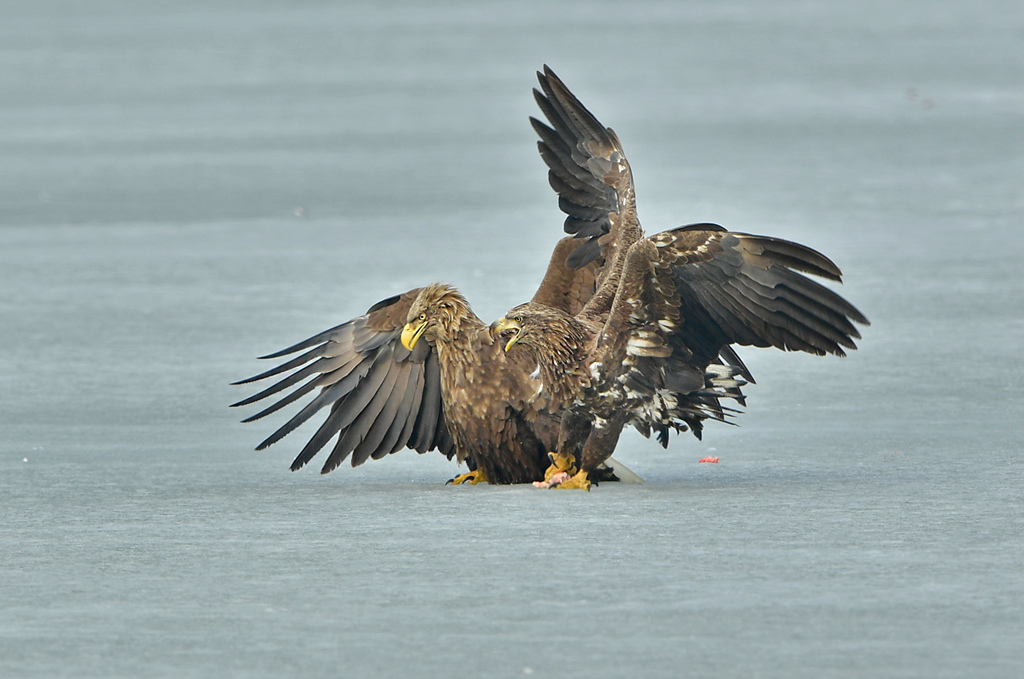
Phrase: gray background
[186,186]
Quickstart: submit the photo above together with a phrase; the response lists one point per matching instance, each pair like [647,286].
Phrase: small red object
[713,460]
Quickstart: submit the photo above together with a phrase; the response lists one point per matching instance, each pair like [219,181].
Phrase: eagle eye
[422,317]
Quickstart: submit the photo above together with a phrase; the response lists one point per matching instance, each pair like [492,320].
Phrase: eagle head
[437,313]
[509,328]
[539,327]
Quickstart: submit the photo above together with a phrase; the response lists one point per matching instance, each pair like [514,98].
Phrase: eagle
[646,349]
[421,370]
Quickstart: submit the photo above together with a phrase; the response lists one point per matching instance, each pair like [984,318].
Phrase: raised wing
[382,396]
[589,172]
[734,288]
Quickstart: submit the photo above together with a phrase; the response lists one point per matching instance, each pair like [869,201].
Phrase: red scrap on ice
[713,460]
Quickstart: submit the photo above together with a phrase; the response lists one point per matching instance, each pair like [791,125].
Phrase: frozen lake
[184,188]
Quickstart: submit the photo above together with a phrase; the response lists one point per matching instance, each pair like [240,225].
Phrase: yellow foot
[472,478]
[560,464]
[578,482]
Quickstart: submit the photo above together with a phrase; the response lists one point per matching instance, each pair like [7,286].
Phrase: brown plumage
[652,347]
[496,416]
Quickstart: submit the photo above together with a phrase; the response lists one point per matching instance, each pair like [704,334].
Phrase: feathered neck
[559,349]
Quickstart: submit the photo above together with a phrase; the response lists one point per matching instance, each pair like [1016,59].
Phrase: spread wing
[589,172]
[382,396]
[717,288]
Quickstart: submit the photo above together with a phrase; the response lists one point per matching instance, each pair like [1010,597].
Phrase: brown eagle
[646,349]
[421,370]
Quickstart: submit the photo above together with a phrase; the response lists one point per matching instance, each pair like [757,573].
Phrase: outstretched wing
[735,288]
[382,396]
[589,172]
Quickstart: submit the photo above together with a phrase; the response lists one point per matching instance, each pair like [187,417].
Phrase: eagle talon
[560,464]
[472,478]
[561,470]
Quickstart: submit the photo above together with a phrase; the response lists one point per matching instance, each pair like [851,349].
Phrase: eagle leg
[474,477]
[560,463]
[561,470]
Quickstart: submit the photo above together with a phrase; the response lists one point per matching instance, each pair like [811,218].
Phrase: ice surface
[184,187]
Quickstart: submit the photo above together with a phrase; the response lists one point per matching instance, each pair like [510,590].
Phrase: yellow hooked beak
[504,325]
[412,332]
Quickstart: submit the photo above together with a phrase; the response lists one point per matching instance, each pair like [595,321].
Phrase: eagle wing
[382,396]
[563,287]
[715,288]
[588,170]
